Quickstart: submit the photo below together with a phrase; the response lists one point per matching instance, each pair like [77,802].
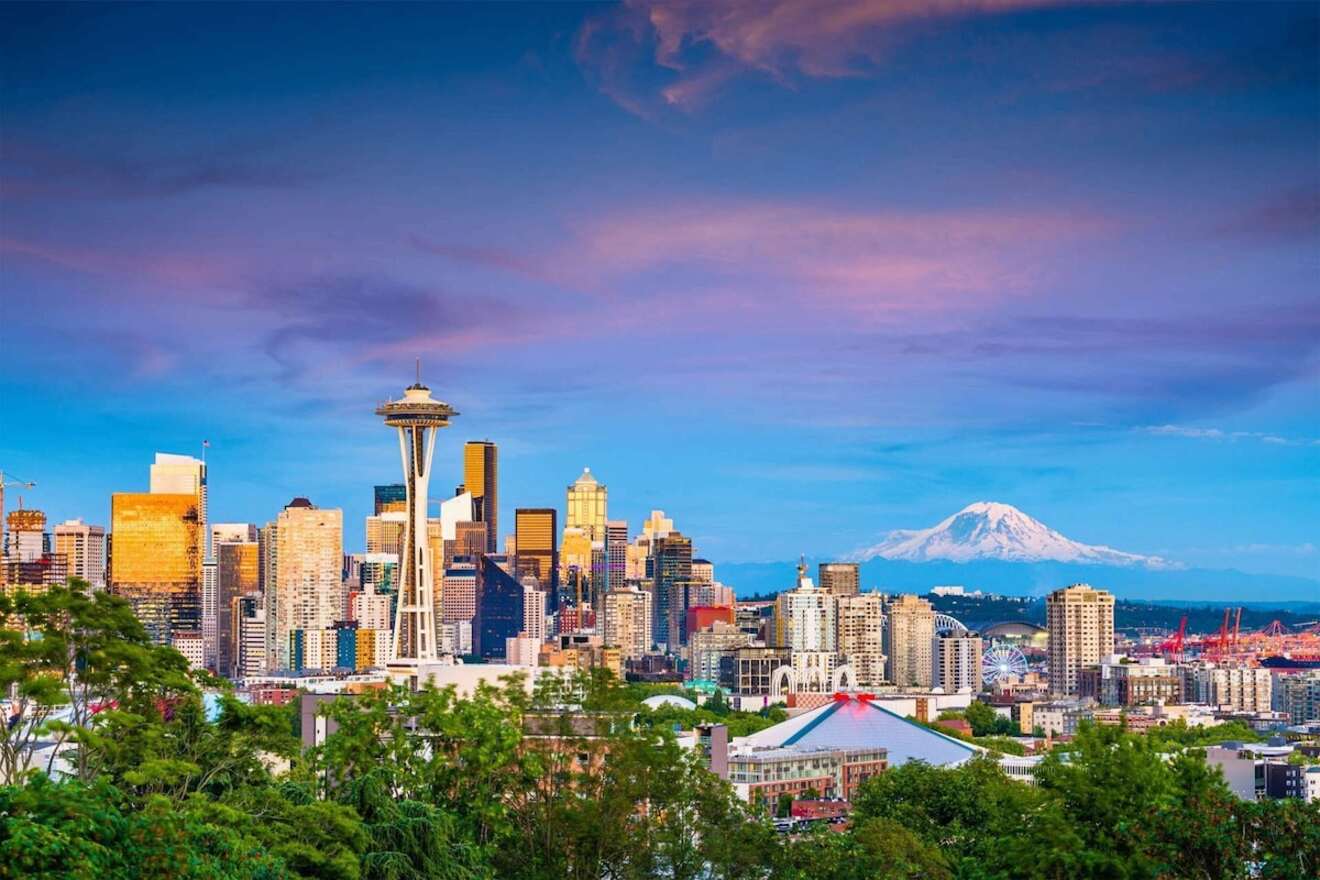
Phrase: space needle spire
[417,416]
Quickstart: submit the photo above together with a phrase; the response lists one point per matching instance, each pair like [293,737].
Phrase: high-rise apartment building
[911,642]
[534,613]
[83,548]
[958,662]
[308,566]
[627,621]
[536,536]
[840,578]
[862,636]
[1080,622]
[586,506]
[481,477]
[159,545]
[238,575]
[671,566]
[805,618]
[616,554]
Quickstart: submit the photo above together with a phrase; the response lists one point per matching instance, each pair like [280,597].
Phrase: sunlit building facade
[238,575]
[481,478]
[83,548]
[626,622]
[536,536]
[159,545]
[587,500]
[1080,621]
[309,561]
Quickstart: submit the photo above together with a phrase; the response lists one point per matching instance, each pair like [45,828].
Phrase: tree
[66,655]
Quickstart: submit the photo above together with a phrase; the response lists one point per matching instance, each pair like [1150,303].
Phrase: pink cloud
[174,269]
[867,262]
[778,38]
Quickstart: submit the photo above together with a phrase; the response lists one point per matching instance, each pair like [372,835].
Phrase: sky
[797,274]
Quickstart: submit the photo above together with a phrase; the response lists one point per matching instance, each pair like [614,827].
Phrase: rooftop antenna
[419,371]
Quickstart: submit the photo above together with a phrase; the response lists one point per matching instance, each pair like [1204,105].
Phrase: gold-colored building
[238,574]
[481,477]
[538,552]
[159,545]
[586,506]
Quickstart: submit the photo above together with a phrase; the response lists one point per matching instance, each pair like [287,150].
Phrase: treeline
[499,785]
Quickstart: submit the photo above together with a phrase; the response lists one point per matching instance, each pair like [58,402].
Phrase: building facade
[840,578]
[911,642]
[1080,621]
[627,621]
[481,478]
[83,548]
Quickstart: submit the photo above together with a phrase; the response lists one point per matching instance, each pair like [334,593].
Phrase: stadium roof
[852,722]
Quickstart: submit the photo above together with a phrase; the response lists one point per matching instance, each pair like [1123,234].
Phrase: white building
[806,619]
[958,662]
[83,546]
[627,621]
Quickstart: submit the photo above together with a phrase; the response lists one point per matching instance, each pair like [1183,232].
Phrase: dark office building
[499,608]
[671,564]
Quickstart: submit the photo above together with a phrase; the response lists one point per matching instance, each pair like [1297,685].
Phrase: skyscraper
[183,475]
[157,562]
[238,567]
[671,566]
[308,566]
[911,642]
[481,477]
[958,661]
[1080,621]
[248,623]
[586,506]
[840,578]
[83,547]
[391,497]
[616,553]
[536,537]
[499,613]
[417,417]
[861,636]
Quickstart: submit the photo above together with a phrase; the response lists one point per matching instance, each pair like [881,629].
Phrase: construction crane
[1237,626]
[6,483]
[1174,646]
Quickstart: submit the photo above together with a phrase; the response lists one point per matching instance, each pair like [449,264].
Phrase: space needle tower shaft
[417,416]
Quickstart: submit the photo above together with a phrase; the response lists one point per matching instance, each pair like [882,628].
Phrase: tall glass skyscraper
[499,608]
[481,477]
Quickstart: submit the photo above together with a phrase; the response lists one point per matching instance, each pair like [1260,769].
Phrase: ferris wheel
[1000,661]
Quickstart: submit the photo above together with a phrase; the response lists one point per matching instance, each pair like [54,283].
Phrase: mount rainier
[990,530]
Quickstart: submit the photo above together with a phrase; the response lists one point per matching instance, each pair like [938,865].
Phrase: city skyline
[1057,257]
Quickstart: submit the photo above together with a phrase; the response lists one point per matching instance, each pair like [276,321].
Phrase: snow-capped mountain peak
[993,530]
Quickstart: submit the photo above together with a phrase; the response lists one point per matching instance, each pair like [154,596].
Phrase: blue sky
[797,279]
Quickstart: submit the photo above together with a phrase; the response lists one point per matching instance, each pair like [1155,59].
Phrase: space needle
[417,416]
